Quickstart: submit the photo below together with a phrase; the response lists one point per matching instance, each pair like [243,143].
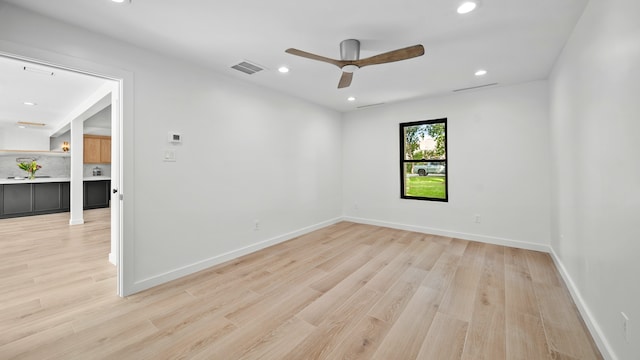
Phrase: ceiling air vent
[38,71]
[475,87]
[247,67]
[369,105]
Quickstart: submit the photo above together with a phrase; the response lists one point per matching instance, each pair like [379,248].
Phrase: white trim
[596,332]
[218,259]
[76,221]
[459,235]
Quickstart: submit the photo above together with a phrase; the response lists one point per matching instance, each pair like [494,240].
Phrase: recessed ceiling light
[22,126]
[466,7]
[481,72]
[118,1]
[351,98]
[29,103]
[283,69]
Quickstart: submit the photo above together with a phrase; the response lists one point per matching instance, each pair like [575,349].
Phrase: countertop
[50,180]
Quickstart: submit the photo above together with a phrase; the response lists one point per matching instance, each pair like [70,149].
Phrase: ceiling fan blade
[311,56]
[391,56]
[345,80]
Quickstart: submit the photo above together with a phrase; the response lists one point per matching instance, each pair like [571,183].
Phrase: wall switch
[169,155]
[256,225]
[476,219]
[625,326]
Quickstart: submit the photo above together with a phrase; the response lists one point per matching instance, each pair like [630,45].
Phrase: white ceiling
[514,40]
[55,96]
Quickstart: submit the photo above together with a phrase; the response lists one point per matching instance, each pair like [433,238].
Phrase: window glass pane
[425,141]
[425,179]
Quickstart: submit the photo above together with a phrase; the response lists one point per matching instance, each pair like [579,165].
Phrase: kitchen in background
[57,163]
[97,129]
[37,106]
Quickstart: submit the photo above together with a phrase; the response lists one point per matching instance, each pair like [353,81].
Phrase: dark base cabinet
[17,200]
[47,198]
[97,194]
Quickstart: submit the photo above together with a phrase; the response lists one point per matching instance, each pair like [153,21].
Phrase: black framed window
[423,160]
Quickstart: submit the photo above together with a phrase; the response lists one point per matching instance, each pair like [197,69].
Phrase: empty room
[323,180]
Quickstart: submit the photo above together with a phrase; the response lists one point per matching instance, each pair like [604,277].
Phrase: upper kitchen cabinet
[105,150]
[97,149]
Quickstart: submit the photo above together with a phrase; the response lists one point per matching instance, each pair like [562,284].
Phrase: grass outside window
[426,186]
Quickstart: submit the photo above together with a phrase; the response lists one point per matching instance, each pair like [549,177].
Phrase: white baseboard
[592,324]
[454,234]
[218,259]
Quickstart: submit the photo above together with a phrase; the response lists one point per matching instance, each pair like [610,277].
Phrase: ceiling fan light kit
[350,68]
[350,58]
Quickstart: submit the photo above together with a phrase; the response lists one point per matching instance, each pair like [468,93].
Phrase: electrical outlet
[476,219]
[256,225]
[625,326]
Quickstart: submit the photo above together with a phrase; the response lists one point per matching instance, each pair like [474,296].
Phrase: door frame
[122,132]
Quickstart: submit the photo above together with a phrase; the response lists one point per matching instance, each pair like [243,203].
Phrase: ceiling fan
[350,58]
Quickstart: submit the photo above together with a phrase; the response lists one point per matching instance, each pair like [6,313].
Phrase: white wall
[498,158]
[248,153]
[595,112]
[14,138]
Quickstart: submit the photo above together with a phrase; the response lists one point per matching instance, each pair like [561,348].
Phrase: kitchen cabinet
[49,197]
[34,199]
[97,149]
[105,150]
[97,194]
[66,196]
[17,200]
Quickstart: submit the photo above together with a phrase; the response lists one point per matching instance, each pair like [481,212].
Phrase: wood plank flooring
[348,291]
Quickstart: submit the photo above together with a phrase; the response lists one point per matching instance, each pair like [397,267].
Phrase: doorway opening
[53,114]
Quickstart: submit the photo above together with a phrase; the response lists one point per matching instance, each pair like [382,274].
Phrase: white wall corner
[596,331]
[454,234]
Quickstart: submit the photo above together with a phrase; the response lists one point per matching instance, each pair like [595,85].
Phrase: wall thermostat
[175,137]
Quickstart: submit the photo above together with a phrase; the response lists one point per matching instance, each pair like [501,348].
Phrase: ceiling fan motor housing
[350,49]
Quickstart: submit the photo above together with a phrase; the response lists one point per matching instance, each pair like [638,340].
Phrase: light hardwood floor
[348,291]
